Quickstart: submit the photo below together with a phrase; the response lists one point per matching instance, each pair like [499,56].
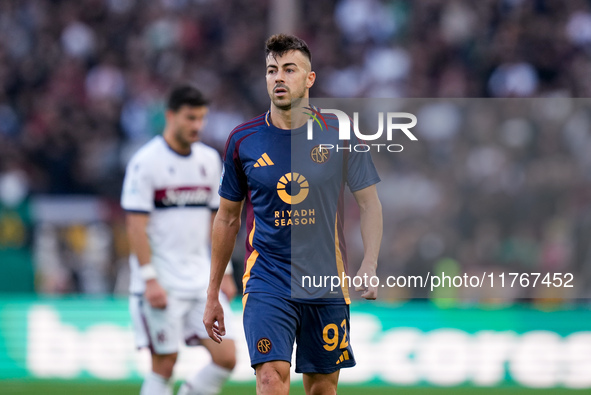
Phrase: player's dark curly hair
[185,95]
[279,44]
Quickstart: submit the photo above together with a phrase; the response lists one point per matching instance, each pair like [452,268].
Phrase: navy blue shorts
[321,332]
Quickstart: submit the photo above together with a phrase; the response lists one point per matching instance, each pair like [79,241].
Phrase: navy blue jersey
[294,194]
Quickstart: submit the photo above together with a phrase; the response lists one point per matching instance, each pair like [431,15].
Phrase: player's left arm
[371,233]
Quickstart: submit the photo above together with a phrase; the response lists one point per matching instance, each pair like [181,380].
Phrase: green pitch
[99,388]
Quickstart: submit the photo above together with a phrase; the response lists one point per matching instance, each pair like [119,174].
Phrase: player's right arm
[137,224]
[137,199]
[225,229]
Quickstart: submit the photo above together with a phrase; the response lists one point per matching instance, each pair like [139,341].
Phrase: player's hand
[155,294]
[213,319]
[228,286]
[366,272]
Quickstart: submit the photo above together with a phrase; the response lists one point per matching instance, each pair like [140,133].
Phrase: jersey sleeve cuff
[365,184]
[134,211]
[232,197]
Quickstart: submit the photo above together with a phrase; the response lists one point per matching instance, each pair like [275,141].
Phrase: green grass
[51,387]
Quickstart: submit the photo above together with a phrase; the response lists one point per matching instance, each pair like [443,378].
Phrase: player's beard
[184,138]
[286,104]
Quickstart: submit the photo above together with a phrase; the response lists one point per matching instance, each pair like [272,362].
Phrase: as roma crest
[319,154]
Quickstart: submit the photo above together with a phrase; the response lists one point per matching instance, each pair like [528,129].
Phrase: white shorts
[162,330]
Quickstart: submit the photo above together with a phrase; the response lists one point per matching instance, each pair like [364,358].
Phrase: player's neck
[287,119]
[176,145]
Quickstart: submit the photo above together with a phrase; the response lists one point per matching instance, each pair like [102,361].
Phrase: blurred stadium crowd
[82,85]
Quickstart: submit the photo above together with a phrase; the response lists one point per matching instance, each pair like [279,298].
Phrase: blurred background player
[170,197]
[273,317]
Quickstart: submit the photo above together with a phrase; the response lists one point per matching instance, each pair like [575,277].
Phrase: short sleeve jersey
[294,200]
[179,193]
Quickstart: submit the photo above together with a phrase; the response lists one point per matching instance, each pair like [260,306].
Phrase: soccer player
[170,197]
[293,194]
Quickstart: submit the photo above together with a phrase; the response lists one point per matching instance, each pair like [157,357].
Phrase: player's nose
[197,125]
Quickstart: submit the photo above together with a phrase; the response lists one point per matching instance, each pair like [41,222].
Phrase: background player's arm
[225,229]
[371,233]
[228,286]
[137,224]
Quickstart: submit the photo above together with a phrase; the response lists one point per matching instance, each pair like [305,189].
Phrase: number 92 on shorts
[321,332]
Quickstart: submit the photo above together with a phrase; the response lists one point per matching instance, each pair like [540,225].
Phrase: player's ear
[169,115]
[311,79]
